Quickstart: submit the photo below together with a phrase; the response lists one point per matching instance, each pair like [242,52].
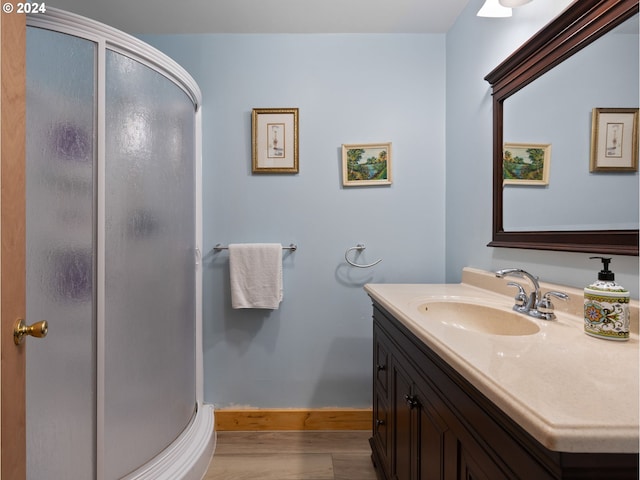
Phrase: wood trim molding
[292,419]
[12,243]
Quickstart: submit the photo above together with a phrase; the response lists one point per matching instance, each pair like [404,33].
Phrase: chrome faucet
[531,304]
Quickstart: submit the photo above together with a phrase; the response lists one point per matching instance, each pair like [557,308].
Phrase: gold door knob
[38,329]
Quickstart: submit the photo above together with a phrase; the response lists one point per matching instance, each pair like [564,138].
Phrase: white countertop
[570,391]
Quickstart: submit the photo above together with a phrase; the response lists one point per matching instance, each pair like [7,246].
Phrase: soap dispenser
[606,306]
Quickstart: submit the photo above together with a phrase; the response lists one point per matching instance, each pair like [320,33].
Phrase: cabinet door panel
[431,445]
[479,466]
[382,431]
[381,362]
[432,430]
[404,427]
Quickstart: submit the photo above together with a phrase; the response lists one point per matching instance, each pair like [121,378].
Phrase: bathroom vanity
[466,388]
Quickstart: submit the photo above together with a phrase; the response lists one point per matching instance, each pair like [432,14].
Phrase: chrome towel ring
[359,248]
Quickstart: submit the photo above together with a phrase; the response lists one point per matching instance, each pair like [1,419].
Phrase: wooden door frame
[12,244]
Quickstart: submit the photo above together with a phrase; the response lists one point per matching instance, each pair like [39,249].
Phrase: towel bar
[293,247]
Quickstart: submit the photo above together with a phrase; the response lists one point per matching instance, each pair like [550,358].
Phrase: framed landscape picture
[366,164]
[526,163]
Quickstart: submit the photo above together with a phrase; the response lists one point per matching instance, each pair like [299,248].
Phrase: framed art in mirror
[614,140]
[526,164]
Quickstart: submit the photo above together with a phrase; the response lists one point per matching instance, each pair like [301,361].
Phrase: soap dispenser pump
[606,306]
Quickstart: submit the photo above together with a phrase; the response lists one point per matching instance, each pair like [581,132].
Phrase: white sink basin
[478,318]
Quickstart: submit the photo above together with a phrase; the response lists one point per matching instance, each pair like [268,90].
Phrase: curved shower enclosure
[113,235]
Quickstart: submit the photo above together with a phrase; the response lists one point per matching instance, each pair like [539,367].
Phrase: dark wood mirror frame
[577,26]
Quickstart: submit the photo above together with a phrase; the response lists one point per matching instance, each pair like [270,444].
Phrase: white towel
[256,275]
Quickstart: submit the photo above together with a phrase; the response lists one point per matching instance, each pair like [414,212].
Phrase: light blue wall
[474,47]
[315,351]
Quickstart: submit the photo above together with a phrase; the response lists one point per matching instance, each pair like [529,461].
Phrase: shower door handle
[21,330]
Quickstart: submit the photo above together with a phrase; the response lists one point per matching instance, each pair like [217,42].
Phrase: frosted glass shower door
[111,237]
[60,167]
[149,303]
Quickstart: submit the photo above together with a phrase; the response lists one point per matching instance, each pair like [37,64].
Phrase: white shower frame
[188,457]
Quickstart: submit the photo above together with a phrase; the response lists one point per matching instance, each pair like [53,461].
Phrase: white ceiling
[269,16]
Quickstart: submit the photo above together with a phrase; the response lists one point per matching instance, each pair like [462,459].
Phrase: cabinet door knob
[412,401]
[379,422]
[381,368]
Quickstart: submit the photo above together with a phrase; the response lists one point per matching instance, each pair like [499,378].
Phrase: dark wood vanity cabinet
[406,429]
[430,423]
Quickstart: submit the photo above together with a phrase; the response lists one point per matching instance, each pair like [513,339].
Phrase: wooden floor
[292,455]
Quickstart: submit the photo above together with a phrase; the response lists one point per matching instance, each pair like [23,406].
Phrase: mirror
[541,216]
[605,74]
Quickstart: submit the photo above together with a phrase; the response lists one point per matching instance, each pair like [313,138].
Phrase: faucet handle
[545,306]
[521,297]
[553,293]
